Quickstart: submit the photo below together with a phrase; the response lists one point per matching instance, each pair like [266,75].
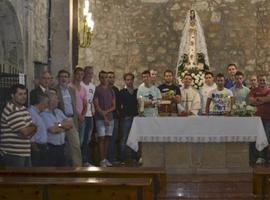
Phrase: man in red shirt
[260,97]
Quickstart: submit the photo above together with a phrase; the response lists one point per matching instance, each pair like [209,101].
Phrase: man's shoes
[260,161]
[87,164]
[108,164]
[103,163]
[123,163]
[140,161]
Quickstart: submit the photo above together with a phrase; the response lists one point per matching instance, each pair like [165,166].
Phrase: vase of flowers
[242,109]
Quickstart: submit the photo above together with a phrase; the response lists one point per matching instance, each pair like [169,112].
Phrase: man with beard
[16,130]
[170,91]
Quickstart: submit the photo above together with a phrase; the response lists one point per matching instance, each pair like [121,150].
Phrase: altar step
[213,187]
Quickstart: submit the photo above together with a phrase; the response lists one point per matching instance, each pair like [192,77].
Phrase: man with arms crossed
[260,97]
[16,130]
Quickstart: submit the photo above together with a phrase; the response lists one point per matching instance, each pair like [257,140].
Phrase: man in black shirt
[129,109]
[169,90]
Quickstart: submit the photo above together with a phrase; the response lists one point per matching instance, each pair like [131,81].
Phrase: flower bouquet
[196,69]
[242,109]
[197,75]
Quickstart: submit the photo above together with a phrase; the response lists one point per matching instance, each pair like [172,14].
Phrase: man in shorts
[104,101]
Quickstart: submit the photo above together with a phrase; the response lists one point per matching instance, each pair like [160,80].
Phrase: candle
[141,104]
[228,104]
[187,101]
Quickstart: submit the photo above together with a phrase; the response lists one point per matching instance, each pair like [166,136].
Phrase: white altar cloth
[195,129]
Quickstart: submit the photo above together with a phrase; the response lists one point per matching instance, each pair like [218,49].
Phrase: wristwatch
[59,125]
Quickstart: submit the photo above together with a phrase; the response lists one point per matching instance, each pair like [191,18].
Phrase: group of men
[56,128]
[217,97]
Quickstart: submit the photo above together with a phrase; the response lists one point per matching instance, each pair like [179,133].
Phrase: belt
[39,144]
[70,115]
[53,145]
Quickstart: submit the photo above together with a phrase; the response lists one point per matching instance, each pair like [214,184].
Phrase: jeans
[81,132]
[126,123]
[264,152]
[266,125]
[85,138]
[7,160]
[112,148]
[39,155]
[56,155]
[252,153]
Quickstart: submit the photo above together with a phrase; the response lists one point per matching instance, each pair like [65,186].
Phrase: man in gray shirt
[67,100]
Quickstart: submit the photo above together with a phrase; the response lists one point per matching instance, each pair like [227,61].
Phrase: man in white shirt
[221,97]
[148,93]
[190,102]
[208,86]
[89,124]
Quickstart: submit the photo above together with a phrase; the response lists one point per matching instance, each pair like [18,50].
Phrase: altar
[197,144]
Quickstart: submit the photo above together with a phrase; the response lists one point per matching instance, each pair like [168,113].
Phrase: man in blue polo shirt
[39,140]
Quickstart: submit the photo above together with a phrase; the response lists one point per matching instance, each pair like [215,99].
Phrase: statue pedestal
[197,158]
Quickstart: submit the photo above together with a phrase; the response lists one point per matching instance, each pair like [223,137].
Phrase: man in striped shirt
[16,130]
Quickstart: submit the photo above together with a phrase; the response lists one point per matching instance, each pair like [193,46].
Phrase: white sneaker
[260,161]
[108,164]
[103,163]
[140,162]
[87,164]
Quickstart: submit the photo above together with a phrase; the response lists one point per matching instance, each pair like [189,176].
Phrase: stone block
[181,158]
[237,147]
[153,154]
[237,155]
[213,155]
[177,155]
[155,1]
[237,159]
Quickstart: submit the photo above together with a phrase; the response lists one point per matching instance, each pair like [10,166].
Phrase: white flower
[250,108]
[179,80]
[243,103]
[193,75]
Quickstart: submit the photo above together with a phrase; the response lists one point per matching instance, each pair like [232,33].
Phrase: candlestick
[141,105]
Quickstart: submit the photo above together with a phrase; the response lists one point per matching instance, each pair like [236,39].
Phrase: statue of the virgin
[192,51]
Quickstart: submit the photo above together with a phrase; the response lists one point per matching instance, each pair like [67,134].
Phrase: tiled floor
[213,187]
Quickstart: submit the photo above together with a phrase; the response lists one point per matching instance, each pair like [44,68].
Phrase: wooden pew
[261,185]
[43,188]
[156,174]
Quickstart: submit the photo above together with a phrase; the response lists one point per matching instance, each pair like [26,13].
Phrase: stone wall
[33,31]
[133,35]
[40,30]
[33,24]
[32,16]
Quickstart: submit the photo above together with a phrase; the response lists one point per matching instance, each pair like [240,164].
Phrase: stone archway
[11,44]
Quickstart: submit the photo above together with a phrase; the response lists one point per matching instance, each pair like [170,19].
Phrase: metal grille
[7,79]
